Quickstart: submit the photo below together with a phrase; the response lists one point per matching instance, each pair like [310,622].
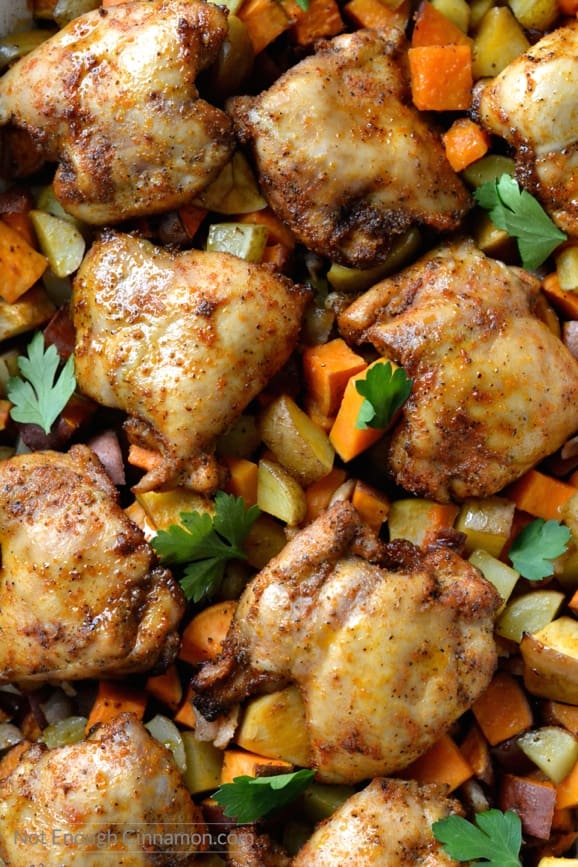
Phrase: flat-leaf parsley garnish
[385,390]
[40,394]
[534,548]
[247,799]
[494,836]
[522,216]
[204,543]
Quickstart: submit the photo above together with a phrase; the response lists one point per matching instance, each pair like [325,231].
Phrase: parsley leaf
[521,215]
[40,394]
[205,543]
[535,547]
[303,4]
[384,390]
[246,799]
[496,837]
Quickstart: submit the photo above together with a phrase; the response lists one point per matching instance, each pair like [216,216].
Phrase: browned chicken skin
[182,342]
[115,798]
[342,155]
[81,594]
[112,98]
[387,646]
[387,824]
[532,104]
[494,390]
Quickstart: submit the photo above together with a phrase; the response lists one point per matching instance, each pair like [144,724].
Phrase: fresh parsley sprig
[494,836]
[522,216]
[204,543]
[247,799]
[40,394]
[534,548]
[385,390]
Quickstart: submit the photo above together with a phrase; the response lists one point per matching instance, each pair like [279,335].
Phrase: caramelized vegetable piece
[21,264]
[287,629]
[551,661]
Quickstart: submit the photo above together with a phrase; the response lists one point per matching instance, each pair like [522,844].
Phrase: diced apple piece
[298,443]
[274,725]
[551,661]
[552,749]
[529,613]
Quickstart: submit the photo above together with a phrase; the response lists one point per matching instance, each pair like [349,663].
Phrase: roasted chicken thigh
[81,594]
[180,341]
[387,646]
[494,389]
[115,798]
[532,104]
[112,98]
[342,155]
[387,824]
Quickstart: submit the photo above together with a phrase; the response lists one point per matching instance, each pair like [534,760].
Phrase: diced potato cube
[279,494]
[552,749]
[458,11]
[529,613]
[499,40]
[535,14]
[487,522]
[478,9]
[551,660]
[274,725]
[298,443]
[60,241]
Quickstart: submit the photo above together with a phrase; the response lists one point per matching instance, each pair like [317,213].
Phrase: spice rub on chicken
[494,389]
[112,98]
[81,594]
[532,104]
[182,342]
[342,155]
[387,822]
[387,645]
[117,797]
